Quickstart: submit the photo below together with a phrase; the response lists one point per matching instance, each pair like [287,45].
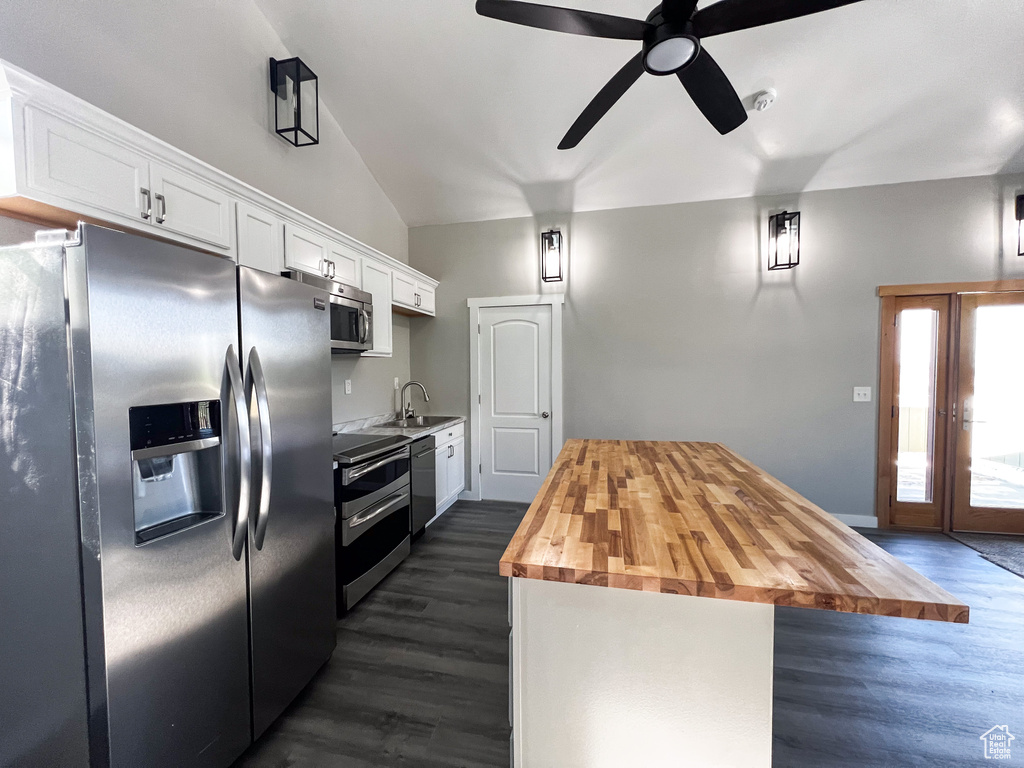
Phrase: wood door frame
[886,502]
[886,386]
[960,465]
[555,301]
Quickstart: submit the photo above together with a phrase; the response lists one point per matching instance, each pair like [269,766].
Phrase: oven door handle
[356,472]
[386,505]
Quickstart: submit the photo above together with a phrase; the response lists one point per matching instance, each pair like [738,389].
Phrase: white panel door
[260,238]
[515,401]
[82,167]
[377,282]
[188,206]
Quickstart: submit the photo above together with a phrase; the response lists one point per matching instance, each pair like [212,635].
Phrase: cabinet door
[441,474]
[377,282]
[260,238]
[304,250]
[404,290]
[188,206]
[426,294]
[457,467]
[83,168]
[346,266]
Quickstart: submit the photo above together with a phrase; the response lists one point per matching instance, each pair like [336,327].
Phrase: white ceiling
[459,116]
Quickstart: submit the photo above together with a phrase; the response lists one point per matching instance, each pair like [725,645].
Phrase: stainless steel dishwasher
[424,497]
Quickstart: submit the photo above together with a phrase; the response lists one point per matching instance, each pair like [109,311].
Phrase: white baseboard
[858,521]
[469,496]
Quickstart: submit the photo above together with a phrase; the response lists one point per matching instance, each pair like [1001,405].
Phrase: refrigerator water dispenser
[176,467]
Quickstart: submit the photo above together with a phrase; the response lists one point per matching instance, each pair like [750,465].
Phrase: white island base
[617,678]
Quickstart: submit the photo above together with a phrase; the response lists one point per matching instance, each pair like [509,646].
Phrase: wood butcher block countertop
[697,519]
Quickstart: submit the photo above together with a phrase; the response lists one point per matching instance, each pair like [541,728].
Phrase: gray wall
[373,378]
[195,74]
[674,330]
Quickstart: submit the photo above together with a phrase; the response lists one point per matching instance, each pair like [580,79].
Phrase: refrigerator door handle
[255,382]
[231,362]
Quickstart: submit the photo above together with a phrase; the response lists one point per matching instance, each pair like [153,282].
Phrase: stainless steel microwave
[351,313]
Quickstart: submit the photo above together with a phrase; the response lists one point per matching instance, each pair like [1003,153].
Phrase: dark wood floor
[420,677]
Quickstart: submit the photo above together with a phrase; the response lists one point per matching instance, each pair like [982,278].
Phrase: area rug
[1005,551]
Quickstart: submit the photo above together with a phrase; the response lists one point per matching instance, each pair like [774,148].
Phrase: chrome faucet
[409,413]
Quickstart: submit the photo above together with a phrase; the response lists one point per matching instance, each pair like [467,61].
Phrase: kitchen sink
[416,422]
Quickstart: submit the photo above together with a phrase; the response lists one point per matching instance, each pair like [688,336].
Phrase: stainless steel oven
[372,498]
[351,313]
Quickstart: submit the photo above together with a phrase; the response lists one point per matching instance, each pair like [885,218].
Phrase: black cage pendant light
[783,240]
[296,102]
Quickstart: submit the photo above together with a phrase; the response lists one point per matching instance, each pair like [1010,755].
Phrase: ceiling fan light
[670,55]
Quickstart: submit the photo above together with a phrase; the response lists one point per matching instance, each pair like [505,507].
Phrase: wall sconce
[783,240]
[297,106]
[551,256]
[1020,225]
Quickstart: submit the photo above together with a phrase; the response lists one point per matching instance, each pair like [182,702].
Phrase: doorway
[516,394]
[951,420]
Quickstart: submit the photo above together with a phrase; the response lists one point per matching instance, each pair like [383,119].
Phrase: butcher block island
[619,657]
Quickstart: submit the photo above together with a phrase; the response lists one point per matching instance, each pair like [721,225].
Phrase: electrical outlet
[397,385]
[348,386]
[862,394]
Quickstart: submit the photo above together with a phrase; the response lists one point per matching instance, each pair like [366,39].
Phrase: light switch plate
[862,394]
[397,385]
[348,386]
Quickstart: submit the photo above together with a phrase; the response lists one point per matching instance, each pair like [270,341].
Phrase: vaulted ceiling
[459,116]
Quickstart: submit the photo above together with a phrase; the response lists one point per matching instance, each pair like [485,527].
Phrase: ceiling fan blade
[563,19]
[713,94]
[678,11]
[604,101]
[732,15]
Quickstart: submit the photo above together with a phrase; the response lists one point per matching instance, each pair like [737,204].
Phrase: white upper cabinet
[63,159]
[413,295]
[403,289]
[184,204]
[305,251]
[260,238]
[70,163]
[344,265]
[377,282]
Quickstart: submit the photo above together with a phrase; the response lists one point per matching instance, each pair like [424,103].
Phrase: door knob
[545,415]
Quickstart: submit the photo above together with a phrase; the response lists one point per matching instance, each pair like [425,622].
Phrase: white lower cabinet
[441,476]
[449,465]
[377,282]
[260,238]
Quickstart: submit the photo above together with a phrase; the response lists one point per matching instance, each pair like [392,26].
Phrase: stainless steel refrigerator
[167,575]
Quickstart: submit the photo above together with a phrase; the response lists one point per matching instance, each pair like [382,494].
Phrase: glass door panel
[990,442]
[918,413]
[916,404]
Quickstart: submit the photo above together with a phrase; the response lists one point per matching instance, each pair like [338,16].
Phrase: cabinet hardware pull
[332,269]
[161,215]
[147,211]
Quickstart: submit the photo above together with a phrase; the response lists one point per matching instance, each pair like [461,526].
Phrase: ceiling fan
[671,37]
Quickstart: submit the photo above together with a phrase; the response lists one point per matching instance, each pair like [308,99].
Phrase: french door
[989,472]
[951,424]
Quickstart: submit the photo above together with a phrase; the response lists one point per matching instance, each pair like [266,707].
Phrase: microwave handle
[364,321]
